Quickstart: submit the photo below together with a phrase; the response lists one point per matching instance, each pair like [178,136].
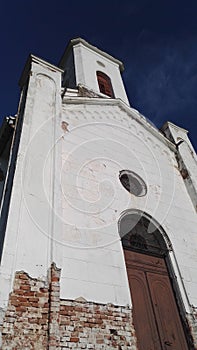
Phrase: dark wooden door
[155,313]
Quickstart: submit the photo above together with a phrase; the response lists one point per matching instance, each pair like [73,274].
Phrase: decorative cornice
[78,41]
[133,113]
[167,124]
[39,61]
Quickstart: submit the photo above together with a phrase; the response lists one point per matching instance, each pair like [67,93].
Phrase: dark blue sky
[156,40]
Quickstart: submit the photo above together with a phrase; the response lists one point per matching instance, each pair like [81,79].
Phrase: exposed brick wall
[37,319]
[93,326]
[192,320]
[26,319]
[54,308]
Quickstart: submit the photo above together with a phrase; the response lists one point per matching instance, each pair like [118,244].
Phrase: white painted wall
[186,156]
[102,140]
[67,197]
[31,222]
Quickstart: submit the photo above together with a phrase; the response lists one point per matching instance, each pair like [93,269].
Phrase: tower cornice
[76,41]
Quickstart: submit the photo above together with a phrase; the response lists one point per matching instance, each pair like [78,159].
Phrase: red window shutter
[105,85]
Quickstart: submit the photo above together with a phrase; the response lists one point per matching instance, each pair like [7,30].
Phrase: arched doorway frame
[172,267]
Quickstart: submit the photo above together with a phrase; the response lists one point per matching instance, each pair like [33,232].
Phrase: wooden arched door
[155,313]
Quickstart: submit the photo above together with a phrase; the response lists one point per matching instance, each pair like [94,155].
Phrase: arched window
[140,234]
[105,85]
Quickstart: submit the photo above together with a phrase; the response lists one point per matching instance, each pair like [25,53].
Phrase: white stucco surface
[67,198]
[102,141]
[30,223]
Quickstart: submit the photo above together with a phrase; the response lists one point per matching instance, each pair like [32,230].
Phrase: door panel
[155,313]
[165,308]
[143,317]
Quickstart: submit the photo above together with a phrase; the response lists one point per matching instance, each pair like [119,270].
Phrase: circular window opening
[133,183]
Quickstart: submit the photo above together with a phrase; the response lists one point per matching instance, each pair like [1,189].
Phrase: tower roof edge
[76,41]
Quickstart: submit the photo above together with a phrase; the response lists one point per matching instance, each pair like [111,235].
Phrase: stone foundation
[36,318]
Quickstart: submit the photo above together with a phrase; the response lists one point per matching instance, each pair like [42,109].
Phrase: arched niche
[140,232]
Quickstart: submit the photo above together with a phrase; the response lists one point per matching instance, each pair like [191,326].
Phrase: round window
[133,183]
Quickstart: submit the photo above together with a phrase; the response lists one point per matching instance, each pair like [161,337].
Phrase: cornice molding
[34,59]
[133,113]
[77,41]
[167,124]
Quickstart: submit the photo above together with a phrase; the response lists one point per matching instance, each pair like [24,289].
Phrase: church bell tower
[84,64]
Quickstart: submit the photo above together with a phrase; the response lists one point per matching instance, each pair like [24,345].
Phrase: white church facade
[98,228]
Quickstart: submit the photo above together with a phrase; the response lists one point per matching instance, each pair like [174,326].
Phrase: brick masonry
[192,321]
[36,318]
[26,319]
